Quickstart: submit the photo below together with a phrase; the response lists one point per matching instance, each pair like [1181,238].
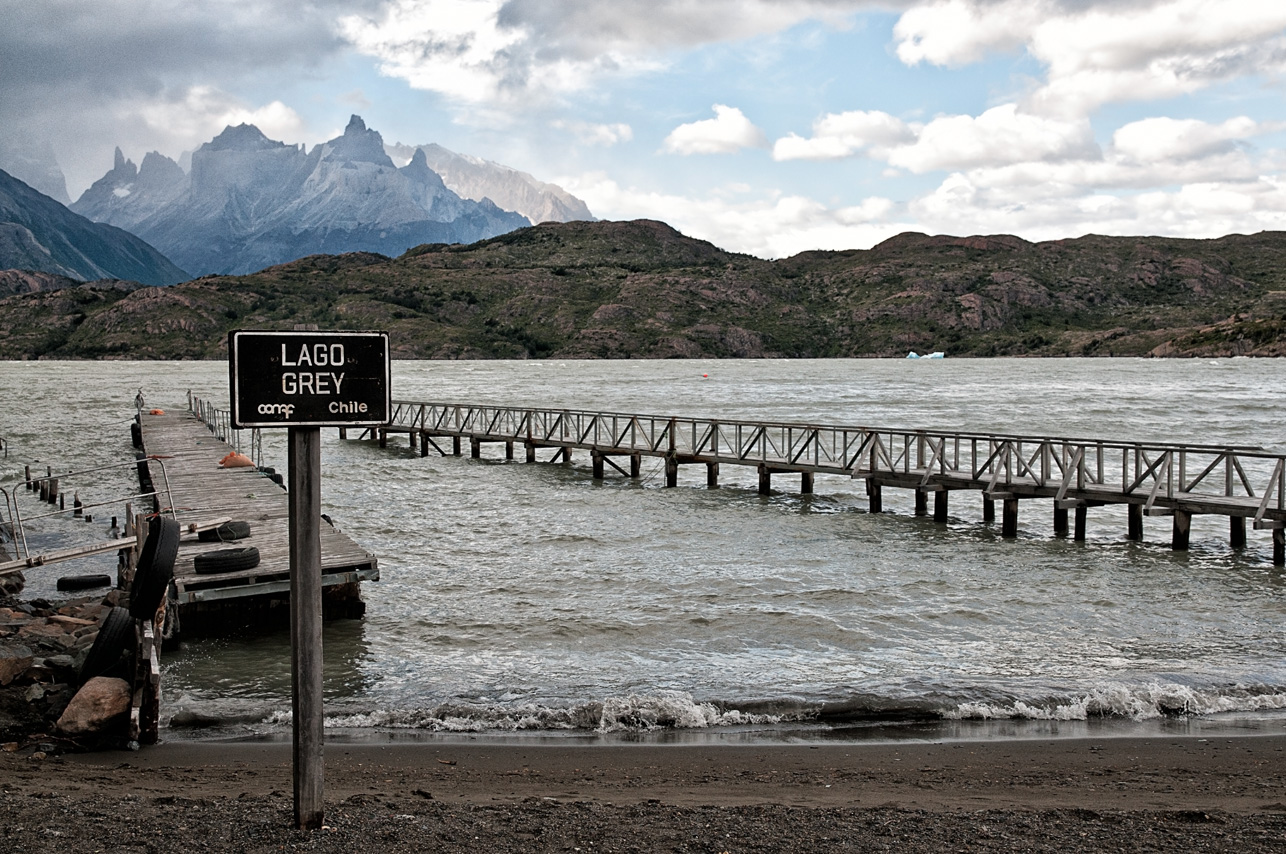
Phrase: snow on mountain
[250,202]
[478,179]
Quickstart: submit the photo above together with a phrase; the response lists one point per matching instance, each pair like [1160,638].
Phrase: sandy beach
[1127,794]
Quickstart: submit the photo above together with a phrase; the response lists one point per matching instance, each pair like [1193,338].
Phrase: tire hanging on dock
[115,635]
[155,568]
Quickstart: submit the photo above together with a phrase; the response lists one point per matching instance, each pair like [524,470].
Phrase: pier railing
[1232,480]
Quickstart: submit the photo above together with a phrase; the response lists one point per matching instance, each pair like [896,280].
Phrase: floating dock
[1077,475]
[183,453]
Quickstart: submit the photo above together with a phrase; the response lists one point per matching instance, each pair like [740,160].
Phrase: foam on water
[527,598]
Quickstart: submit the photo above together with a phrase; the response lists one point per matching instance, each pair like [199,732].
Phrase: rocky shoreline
[43,651]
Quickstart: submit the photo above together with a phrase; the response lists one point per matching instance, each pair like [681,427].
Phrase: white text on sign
[293,382]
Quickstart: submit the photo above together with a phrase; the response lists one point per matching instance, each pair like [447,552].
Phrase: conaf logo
[276,409]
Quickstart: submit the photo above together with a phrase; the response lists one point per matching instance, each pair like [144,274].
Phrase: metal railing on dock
[1150,478]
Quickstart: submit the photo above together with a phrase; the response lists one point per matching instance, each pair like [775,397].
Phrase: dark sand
[1172,794]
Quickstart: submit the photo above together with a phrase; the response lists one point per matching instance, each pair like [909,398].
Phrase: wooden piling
[940,507]
[1082,514]
[1009,520]
[531,451]
[805,483]
[596,462]
[1134,525]
[424,444]
[988,509]
[875,497]
[1060,521]
[636,465]
[455,446]
[765,480]
[383,437]
[712,475]
[1237,531]
[475,449]
[1279,546]
[921,503]
[1181,531]
[671,471]
[509,450]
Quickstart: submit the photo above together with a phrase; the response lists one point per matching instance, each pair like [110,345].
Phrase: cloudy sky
[765,126]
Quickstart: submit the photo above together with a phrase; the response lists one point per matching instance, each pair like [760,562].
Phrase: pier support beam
[940,507]
[1134,525]
[596,462]
[475,449]
[1237,531]
[806,483]
[1082,512]
[875,496]
[1060,521]
[988,509]
[765,480]
[712,475]
[383,437]
[531,451]
[509,450]
[455,446]
[636,465]
[671,472]
[1182,530]
[1009,520]
[921,503]
[1279,546]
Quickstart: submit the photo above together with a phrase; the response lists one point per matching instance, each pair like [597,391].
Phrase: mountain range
[39,234]
[250,202]
[642,290]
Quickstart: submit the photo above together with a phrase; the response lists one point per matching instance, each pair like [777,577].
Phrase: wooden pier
[1149,479]
[183,455]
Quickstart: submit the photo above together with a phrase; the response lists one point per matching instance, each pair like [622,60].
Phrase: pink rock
[14,660]
[97,706]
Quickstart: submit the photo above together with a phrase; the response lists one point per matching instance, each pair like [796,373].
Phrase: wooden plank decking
[184,464]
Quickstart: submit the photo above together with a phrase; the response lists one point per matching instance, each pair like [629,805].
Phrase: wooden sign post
[305,381]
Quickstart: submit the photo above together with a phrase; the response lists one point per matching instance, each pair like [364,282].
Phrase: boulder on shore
[98,706]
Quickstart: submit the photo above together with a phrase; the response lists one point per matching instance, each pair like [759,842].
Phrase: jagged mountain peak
[242,137]
[357,145]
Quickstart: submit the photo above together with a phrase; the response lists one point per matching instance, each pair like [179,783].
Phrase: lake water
[533,599]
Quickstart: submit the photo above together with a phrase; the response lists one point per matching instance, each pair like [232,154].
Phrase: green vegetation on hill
[642,290]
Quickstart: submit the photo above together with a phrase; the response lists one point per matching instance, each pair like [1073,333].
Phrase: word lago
[304,382]
[314,356]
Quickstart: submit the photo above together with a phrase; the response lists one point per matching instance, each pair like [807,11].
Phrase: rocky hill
[251,202]
[39,235]
[641,289]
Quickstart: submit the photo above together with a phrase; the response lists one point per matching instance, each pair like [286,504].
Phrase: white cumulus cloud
[727,132]
[1101,52]
[838,135]
[590,133]
[1003,134]
[767,225]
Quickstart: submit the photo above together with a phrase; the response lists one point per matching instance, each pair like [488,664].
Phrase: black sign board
[309,379]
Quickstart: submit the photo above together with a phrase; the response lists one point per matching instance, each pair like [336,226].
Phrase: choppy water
[530,597]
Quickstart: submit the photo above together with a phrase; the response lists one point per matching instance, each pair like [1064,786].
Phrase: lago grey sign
[309,379]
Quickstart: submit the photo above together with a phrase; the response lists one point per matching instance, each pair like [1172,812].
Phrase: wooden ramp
[183,464]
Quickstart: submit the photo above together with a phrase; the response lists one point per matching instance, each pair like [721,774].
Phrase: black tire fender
[115,635]
[84,582]
[226,560]
[155,568]
[225,533]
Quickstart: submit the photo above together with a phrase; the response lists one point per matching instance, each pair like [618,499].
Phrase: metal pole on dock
[306,622]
